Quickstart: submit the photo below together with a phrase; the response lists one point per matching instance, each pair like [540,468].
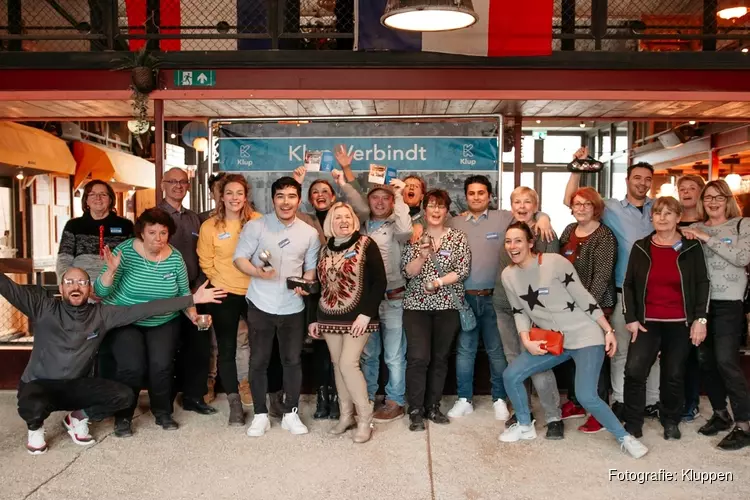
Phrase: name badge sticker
[492,236]
[444,253]
[168,276]
[677,246]
[224,236]
[92,336]
[728,241]
[284,242]
[115,230]
[544,291]
[349,255]
[568,252]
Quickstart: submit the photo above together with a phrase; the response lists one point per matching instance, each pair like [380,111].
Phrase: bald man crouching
[67,334]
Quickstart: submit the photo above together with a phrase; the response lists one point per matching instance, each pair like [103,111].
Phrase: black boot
[719,421]
[333,404]
[416,419]
[323,408]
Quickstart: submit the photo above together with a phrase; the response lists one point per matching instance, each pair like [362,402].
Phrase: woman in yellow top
[216,243]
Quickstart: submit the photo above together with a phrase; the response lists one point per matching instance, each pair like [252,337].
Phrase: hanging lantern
[192,132]
[429,15]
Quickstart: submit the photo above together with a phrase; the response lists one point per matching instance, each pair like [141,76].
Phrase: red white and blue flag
[504,28]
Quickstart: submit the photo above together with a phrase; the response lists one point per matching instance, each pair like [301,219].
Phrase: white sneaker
[293,424]
[35,444]
[78,430]
[517,432]
[635,448]
[501,410]
[259,426]
[461,408]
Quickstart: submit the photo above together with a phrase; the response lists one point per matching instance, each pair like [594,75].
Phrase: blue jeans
[392,340]
[468,343]
[588,361]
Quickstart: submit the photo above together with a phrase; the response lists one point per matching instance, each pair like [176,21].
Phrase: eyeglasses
[68,281]
[99,196]
[174,182]
[435,206]
[585,204]
[718,198]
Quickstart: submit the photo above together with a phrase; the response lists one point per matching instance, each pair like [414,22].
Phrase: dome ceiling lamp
[429,15]
[733,9]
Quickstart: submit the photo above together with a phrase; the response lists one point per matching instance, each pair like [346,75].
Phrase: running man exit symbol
[187,78]
[196,78]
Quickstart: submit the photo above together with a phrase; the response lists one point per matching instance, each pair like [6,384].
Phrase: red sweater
[664,287]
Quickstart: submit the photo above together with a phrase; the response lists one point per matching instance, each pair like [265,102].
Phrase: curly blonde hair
[220,213]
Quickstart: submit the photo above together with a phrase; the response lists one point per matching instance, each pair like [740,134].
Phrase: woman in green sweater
[150,269]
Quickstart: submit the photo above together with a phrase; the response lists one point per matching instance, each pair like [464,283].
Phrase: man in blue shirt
[630,220]
[273,309]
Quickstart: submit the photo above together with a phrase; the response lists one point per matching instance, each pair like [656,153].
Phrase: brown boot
[389,411]
[364,429]
[210,395]
[245,394]
[346,420]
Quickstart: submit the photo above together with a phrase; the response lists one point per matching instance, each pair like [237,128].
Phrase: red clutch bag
[554,340]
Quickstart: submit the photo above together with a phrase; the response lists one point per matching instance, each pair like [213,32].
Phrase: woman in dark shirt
[665,296]
[431,318]
[592,249]
[353,282]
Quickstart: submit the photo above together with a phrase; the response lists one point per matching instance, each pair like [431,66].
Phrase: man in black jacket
[67,334]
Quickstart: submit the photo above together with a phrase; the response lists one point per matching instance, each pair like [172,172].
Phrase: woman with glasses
[592,249]
[84,238]
[726,240]
[435,268]
[150,269]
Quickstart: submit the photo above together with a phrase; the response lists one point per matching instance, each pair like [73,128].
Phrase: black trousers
[719,359]
[226,318]
[98,397]
[289,329]
[193,358]
[321,357]
[672,339]
[602,387]
[429,336]
[145,356]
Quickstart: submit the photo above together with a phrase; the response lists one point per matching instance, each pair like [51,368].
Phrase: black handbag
[585,165]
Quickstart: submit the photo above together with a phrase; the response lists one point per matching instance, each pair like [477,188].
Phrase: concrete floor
[205,459]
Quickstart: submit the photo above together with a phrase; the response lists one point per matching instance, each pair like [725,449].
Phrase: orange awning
[120,169]
[34,149]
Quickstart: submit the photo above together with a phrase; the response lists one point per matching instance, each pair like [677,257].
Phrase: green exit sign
[195,78]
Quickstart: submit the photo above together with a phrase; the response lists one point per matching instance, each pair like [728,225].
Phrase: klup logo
[245,155]
[468,154]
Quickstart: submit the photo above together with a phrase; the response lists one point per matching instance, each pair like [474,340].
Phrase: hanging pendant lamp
[429,15]
[732,9]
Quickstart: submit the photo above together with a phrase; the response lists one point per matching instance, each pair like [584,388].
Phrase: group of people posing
[646,293]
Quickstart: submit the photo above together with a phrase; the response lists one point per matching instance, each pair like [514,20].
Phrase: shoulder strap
[456,300]
[738,225]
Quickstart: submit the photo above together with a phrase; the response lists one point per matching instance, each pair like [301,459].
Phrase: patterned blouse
[595,262]
[453,255]
[352,282]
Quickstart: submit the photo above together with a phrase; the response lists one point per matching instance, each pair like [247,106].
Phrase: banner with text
[283,154]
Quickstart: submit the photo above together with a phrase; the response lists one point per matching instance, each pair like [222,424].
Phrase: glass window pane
[527,151]
[619,185]
[553,192]
[527,179]
[560,148]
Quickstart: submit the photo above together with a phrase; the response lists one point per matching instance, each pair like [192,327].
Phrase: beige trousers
[350,382]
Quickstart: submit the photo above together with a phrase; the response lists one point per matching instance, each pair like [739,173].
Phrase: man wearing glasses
[194,354]
[67,334]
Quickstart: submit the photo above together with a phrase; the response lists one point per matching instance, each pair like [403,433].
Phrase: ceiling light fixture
[734,181]
[582,125]
[692,122]
[745,50]
[19,175]
[539,121]
[429,15]
[732,9]
[173,135]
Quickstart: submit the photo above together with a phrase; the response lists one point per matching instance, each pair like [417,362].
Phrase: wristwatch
[702,321]
[611,330]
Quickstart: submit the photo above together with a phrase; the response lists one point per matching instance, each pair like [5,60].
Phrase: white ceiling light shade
[732,9]
[734,181]
[429,15]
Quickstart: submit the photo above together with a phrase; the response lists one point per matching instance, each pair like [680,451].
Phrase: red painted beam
[390,83]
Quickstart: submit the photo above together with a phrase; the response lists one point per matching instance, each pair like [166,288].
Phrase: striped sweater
[139,280]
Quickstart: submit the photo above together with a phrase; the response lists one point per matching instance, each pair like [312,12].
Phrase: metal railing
[211,25]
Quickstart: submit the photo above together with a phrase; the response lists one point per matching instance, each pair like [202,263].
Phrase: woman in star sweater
[353,283]
[545,290]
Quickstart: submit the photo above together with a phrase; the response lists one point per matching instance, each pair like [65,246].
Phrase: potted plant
[143,78]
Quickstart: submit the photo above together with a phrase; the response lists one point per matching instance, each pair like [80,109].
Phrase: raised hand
[581,153]
[338,177]
[112,261]
[342,157]
[299,174]
[398,186]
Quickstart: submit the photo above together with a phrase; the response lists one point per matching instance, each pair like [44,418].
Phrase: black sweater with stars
[550,295]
